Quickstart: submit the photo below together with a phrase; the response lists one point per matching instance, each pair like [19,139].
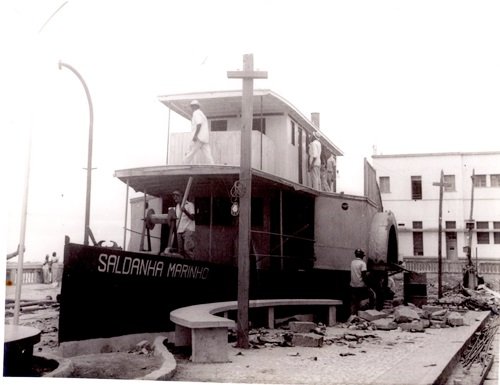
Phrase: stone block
[437,323]
[440,315]
[307,340]
[432,308]
[385,324]
[454,319]
[371,315]
[301,327]
[414,326]
[405,314]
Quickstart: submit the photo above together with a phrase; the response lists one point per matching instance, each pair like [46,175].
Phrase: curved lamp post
[89,157]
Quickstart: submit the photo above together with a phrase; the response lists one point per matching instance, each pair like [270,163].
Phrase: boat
[302,239]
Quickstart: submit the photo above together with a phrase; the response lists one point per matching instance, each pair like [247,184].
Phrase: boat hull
[108,292]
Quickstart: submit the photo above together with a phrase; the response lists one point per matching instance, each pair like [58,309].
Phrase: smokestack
[315,118]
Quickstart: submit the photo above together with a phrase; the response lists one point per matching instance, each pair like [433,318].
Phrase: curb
[64,369]
[169,366]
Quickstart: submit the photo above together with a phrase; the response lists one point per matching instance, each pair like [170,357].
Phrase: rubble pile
[482,298]
[406,318]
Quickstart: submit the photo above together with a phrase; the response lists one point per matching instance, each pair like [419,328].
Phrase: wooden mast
[248,74]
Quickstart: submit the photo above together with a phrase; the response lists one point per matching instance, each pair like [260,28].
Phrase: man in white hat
[315,161]
[199,129]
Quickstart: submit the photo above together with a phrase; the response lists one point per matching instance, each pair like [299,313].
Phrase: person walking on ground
[55,269]
[185,225]
[200,131]
[359,289]
[46,270]
[315,161]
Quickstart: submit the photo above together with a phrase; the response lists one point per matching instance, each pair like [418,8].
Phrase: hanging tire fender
[383,240]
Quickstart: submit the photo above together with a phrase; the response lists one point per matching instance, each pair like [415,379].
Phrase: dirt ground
[45,317]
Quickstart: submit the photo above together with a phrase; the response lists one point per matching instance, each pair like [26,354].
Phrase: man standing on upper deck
[199,129]
[315,161]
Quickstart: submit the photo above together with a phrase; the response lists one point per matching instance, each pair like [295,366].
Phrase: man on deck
[200,131]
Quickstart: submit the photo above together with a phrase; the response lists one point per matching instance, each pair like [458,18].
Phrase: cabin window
[479,180]
[385,184]
[495,180]
[293,133]
[416,187]
[418,239]
[483,237]
[449,181]
[218,125]
[221,212]
[496,234]
[259,124]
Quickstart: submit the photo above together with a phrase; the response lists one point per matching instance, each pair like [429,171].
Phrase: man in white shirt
[315,161]
[200,131]
[185,225]
[359,289]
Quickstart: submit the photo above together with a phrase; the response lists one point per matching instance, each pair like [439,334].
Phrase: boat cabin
[293,226]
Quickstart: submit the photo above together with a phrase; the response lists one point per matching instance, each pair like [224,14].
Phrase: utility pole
[441,185]
[248,74]
[470,280]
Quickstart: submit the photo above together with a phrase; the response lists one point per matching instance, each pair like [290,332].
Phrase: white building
[407,187]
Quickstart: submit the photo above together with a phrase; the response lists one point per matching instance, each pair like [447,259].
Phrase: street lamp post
[89,157]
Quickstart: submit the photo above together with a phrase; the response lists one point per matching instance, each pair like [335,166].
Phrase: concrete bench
[200,327]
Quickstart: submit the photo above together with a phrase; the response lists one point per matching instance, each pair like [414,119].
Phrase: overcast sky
[403,76]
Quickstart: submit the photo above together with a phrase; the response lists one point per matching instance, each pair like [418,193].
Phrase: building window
[293,133]
[496,234]
[495,180]
[218,125]
[449,181]
[418,239]
[451,224]
[416,187]
[479,180]
[483,237]
[259,124]
[385,184]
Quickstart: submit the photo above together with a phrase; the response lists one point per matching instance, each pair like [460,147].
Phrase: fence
[430,265]
[32,273]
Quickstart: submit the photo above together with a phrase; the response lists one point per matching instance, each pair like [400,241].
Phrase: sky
[393,77]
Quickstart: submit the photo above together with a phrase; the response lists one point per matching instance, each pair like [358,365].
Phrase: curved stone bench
[200,327]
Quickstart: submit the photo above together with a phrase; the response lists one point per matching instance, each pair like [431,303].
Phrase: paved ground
[392,357]
[382,357]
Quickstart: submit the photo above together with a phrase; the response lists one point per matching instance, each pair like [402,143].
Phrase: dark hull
[107,292]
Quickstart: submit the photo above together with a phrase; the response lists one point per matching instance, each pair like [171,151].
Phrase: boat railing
[225,147]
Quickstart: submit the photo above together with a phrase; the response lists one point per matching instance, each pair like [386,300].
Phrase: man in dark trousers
[359,288]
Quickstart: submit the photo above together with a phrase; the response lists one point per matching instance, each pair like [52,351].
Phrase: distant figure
[359,287]
[185,225]
[200,131]
[330,172]
[47,270]
[324,180]
[315,161]
[55,268]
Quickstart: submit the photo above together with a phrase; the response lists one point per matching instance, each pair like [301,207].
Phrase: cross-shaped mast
[248,75]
